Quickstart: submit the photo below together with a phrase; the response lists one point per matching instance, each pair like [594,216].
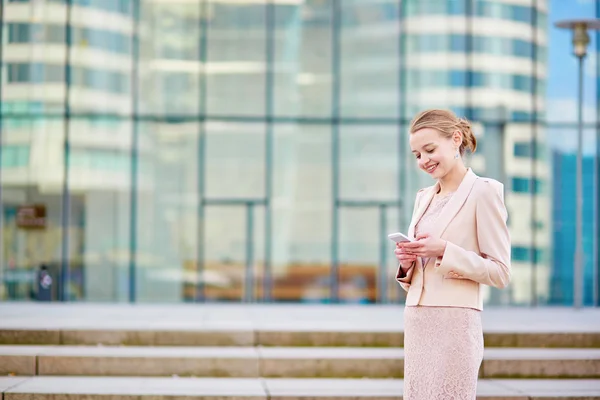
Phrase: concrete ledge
[295,362]
[333,338]
[158,338]
[331,362]
[540,363]
[29,336]
[77,388]
[269,338]
[202,337]
[541,339]
[17,365]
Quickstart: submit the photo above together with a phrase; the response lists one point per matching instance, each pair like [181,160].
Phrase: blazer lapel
[454,204]
[423,204]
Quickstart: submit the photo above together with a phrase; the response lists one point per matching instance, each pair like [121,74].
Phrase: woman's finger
[412,245]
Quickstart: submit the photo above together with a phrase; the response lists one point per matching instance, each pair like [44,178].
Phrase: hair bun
[469,141]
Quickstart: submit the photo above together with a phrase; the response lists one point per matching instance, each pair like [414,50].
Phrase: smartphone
[399,237]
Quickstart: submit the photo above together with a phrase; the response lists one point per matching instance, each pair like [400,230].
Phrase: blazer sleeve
[492,266]
[404,279]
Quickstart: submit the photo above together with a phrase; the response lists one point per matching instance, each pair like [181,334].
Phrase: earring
[457,154]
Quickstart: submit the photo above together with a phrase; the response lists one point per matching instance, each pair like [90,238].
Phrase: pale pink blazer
[473,223]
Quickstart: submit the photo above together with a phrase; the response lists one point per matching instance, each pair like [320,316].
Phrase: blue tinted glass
[460,111]
[521,116]
[521,13]
[19,33]
[522,83]
[540,255]
[431,43]
[458,43]
[478,44]
[457,7]
[478,78]
[520,253]
[539,186]
[458,78]
[522,150]
[521,48]
[520,185]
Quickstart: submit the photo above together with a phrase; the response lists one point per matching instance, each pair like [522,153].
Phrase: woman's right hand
[404,258]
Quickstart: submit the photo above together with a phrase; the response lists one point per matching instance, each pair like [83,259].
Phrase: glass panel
[564,200]
[231,252]
[235,166]
[99,182]
[32,236]
[369,163]
[393,223]
[170,52]
[507,71]
[302,190]
[167,212]
[519,175]
[100,62]
[369,58]
[258,251]
[435,74]
[236,59]
[360,247]
[303,59]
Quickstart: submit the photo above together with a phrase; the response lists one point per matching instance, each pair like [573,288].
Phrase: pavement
[366,318]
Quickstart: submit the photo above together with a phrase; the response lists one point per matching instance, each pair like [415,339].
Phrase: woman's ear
[457,138]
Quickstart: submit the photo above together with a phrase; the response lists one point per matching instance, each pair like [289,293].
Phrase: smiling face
[435,153]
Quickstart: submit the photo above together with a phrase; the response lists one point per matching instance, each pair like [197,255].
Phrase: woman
[461,242]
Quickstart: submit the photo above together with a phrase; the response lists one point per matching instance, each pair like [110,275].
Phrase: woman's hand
[404,257]
[425,246]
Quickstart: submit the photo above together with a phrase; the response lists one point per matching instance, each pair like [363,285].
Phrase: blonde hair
[446,122]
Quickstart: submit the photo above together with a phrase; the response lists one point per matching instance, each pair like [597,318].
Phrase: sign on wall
[32,216]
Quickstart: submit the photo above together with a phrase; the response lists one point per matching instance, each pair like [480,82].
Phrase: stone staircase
[261,352]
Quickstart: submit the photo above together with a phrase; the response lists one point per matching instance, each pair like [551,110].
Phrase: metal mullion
[335,133]
[134,153]
[66,206]
[269,105]
[201,119]
[534,130]
[2,6]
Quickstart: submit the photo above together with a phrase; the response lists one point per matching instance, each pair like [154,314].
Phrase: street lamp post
[580,42]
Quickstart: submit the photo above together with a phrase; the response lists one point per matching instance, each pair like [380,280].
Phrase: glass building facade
[257,150]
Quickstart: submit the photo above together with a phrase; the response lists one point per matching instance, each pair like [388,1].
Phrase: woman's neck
[451,181]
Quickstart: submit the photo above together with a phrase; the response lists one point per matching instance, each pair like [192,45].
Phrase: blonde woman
[461,241]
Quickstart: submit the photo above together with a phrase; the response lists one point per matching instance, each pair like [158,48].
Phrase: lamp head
[580,28]
[581,39]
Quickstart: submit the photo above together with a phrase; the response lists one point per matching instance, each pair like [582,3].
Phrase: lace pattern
[443,350]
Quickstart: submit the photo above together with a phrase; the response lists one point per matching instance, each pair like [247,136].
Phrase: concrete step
[274,325]
[297,362]
[127,388]
[238,336]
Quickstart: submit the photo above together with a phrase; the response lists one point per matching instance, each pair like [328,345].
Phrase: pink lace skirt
[443,350]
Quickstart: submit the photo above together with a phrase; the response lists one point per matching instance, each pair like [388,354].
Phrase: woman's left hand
[425,246]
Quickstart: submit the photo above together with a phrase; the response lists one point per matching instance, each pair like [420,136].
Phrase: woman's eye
[429,151]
